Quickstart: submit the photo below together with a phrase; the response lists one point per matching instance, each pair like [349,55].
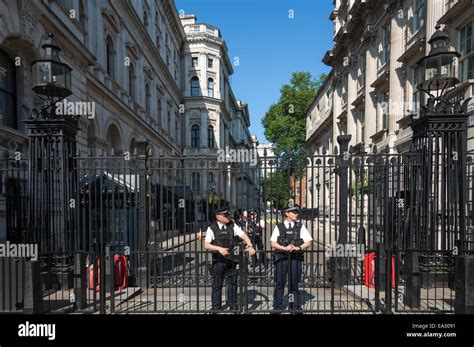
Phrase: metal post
[80,282]
[143,232]
[464,285]
[33,298]
[342,275]
[413,285]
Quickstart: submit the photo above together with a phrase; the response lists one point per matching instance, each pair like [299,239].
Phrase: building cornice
[172,13]
[320,127]
[455,11]
[415,45]
[383,76]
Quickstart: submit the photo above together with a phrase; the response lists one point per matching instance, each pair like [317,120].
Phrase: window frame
[10,90]
[211,140]
[419,15]
[196,181]
[210,87]
[195,136]
[195,87]
[466,48]
[386,38]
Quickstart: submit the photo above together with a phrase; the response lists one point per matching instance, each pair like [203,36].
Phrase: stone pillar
[434,11]
[80,280]
[352,114]
[204,116]
[33,302]
[371,76]
[396,91]
[336,102]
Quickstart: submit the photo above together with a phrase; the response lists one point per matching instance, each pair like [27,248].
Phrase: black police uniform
[224,267]
[288,263]
[255,234]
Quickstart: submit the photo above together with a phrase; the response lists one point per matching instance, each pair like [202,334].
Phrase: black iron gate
[124,234]
[171,273]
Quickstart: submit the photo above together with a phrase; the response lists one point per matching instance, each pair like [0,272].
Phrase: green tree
[285,127]
[277,189]
[285,121]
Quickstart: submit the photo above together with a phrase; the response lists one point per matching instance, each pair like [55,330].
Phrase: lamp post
[53,178]
[440,140]
[440,136]
[53,146]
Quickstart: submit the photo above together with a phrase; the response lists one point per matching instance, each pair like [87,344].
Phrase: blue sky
[269,44]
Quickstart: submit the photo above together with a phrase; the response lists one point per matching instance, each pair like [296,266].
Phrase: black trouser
[287,268]
[224,268]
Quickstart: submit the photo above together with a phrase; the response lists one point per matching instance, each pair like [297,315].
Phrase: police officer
[220,240]
[255,230]
[289,239]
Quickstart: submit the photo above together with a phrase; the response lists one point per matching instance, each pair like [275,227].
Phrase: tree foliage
[285,121]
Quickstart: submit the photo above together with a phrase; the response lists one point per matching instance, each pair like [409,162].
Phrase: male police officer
[220,240]
[289,239]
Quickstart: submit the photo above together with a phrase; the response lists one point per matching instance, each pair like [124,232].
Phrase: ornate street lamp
[53,145]
[51,78]
[439,66]
[440,142]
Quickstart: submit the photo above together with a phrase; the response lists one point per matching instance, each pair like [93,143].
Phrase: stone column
[336,102]
[434,11]
[371,76]
[204,115]
[396,77]
[352,114]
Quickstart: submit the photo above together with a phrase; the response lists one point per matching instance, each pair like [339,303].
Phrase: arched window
[210,88]
[110,57]
[196,182]
[195,136]
[8,107]
[194,86]
[114,141]
[210,182]
[210,137]
[160,111]
[147,98]
[131,81]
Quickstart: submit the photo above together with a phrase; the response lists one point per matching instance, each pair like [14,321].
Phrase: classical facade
[126,58]
[135,60]
[216,122]
[371,91]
